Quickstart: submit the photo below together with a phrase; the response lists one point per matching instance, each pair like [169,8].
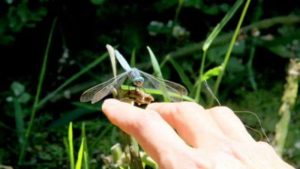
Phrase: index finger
[148,127]
[192,122]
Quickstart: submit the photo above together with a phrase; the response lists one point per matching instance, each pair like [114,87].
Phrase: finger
[230,124]
[191,121]
[151,131]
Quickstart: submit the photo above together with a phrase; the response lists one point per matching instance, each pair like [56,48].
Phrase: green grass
[38,93]
[82,154]
[70,146]
[158,73]
[207,43]
[231,45]
[39,121]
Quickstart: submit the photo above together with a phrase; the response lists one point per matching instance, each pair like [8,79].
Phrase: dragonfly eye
[138,82]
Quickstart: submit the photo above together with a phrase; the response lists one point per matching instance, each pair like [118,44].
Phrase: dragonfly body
[136,76]
[133,73]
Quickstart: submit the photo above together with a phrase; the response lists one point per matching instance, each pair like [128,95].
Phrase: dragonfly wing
[122,61]
[102,93]
[99,91]
[172,88]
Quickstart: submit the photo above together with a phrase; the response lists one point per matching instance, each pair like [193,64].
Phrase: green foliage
[70,147]
[82,157]
[252,76]
[19,98]
[19,15]
[219,27]
[211,72]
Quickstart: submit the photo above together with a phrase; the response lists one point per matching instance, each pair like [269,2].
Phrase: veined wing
[122,61]
[174,90]
[98,92]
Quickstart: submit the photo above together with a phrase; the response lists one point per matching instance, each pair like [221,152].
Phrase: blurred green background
[71,36]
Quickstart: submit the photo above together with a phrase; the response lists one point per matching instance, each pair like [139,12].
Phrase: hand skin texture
[204,138]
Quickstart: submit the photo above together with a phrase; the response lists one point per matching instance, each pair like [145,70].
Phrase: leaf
[17,88]
[80,155]
[212,72]
[24,98]
[155,63]
[71,148]
[157,71]
[217,29]
[85,149]
[111,53]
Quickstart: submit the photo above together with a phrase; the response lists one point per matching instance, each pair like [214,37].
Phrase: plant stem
[288,101]
[178,9]
[199,81]
[38,92]
[250,69]
[225,38]
[71,146]
[231,45]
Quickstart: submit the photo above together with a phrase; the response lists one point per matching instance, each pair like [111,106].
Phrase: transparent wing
[98,92]
[122,61]
[174,90]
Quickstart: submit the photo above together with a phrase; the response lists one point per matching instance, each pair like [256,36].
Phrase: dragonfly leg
[114,92]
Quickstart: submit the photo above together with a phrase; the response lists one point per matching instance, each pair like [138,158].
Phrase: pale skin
[204,138]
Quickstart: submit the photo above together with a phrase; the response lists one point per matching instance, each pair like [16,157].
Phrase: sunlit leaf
[211,73]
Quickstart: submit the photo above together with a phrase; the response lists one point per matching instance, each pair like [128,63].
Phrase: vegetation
[243,54]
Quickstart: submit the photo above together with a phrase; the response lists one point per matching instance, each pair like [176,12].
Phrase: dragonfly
[136,77]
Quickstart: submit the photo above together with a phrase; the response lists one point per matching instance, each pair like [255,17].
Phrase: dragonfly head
[138,81]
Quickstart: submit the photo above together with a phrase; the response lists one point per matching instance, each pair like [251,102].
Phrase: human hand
[204,138]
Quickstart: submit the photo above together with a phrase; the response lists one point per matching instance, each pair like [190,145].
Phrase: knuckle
[223,109]
[184,105]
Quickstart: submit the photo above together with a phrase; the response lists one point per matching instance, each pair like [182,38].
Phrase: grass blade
[155,63]
[157,71]
[72,78]
[71,148]
[199,85]
[217,29]
[38,92]
[111,53]
[80,154]
[85,148]
[133,58]
[86,157]
[211,72]
[19,114]
[231,45]
[250,70]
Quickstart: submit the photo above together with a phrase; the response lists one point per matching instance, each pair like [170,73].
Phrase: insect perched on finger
[137,77]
